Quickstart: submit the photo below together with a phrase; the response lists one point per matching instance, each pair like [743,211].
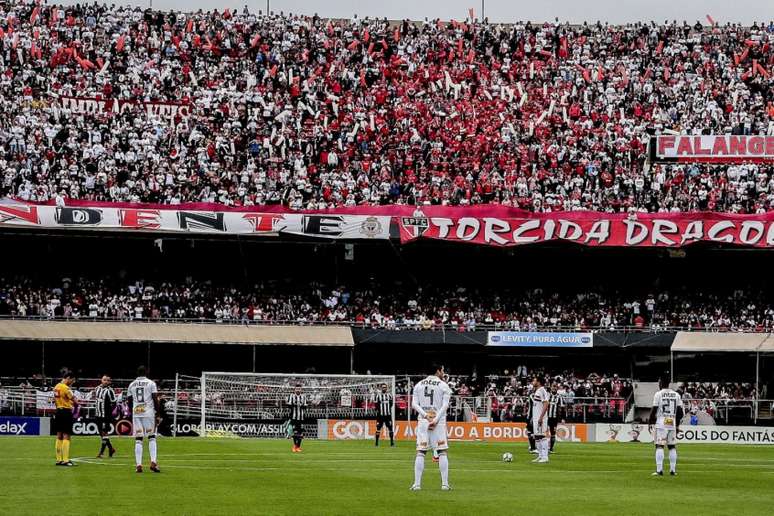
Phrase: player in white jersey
[666,414]
[431,400]
[540,398]
[144,404]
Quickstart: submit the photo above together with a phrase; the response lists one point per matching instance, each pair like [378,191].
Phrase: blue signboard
[539,339]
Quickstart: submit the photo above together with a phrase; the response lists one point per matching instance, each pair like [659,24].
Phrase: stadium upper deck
[108,103]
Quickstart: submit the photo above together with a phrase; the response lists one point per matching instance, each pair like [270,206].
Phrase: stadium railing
[398,326]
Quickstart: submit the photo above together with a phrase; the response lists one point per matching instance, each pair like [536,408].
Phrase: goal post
[255,404]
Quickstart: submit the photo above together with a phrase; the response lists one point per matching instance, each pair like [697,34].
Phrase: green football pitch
[233,476]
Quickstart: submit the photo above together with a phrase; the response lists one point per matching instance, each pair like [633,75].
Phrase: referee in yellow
[63,419]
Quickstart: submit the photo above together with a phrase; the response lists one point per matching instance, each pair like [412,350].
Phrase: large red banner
[486,225]
[501,228]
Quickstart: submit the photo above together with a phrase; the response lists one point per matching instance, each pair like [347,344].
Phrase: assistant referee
[63,419]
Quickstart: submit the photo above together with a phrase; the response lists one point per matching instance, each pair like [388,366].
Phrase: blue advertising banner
[19,425]
[539,339]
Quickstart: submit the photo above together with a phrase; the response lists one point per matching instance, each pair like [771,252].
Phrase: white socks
[660,458]
[138,452]
[672,459]
[419,468]
[152,448]
[542,448]
[443,462]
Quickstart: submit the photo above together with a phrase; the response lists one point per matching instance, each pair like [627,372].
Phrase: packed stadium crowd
[111,103]
[412,307]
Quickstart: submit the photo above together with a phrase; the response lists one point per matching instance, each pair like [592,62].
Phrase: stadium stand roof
[176,333]
[724,342]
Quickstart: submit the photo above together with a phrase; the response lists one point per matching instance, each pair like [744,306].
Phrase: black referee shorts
[552,422]
[63,421]
[383,420]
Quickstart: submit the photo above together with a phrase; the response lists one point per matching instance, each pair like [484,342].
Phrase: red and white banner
[485,225]
[96,105]
[346,429]
[177,219]
[713,148]
[503,227]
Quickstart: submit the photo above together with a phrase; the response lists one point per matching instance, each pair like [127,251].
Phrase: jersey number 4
[429,393]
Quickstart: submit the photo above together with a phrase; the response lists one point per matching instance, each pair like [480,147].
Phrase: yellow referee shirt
[63,396]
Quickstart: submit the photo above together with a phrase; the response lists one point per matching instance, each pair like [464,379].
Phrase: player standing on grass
[383,402]
[64,401]
[555,412]
[539,419]
[143,396]
[297,402]
[666,413]
[530,432]
[431,400]
[105,401]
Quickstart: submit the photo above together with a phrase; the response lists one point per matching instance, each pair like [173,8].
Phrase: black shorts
[298,426]
[384,420]
[104,424]
[63,421]
[552,422]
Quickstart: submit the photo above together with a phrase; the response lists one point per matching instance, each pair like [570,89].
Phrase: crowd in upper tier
[407,307]
[245,109]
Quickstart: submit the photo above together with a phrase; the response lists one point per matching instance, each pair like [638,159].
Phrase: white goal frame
[369,378]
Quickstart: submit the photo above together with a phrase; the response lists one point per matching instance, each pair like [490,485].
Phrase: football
[507,457]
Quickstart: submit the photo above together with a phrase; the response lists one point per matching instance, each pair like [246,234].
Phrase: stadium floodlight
[254,404]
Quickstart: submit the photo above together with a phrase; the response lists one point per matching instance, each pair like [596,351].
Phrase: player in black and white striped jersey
[297,402]
[384,402]
[104,402]
[555,413]
[530,434]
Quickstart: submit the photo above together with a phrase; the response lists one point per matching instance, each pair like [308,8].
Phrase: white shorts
[540,429]
[435,438]
[143,426]
[665,436]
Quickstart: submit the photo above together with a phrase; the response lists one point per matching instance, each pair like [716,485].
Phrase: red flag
[396,35]
[459,46]
[2,33]
[15,40]
[471,55]
[189,26]
[120,43]
[362,78]
[763,71]
[366,36]
[34,15]
[600,73]
[255,40]
[353,46]
[710,20]
[371,48]
[660,46]
[472,14]
[100,63]
[273,71]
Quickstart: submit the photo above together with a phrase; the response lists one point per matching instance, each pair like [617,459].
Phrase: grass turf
[233,476]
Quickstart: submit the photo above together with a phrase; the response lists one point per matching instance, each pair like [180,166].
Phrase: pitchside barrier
[364,429]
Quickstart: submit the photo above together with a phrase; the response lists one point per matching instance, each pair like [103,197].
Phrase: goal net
[256,404]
